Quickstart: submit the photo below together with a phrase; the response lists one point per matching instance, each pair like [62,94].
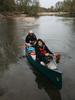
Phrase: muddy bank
[17,17]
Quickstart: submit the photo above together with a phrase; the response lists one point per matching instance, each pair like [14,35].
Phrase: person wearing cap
[31,38]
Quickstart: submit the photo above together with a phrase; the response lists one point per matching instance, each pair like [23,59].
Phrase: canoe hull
[55,76]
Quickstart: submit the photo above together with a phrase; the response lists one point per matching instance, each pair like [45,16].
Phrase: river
[18,80]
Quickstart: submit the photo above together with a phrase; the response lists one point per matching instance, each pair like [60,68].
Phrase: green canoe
[54,75]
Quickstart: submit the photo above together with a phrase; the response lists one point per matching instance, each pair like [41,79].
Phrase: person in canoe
[42,52]
[31,38]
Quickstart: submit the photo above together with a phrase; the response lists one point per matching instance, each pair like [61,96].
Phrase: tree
[7,5]
[59,6]
[66,5]
[51,8]
[29,7]
[69,6]
[34,8]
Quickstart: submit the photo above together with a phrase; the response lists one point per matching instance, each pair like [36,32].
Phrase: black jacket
[30,38]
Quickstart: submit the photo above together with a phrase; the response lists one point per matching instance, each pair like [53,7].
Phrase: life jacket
[42,51]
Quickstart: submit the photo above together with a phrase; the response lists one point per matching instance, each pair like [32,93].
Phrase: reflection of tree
[44,83]
[73,26]
[71,22]
[7,44]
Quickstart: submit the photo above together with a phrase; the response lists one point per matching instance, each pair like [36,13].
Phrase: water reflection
[7,44]
[44,83]
[59,35]
[73,26]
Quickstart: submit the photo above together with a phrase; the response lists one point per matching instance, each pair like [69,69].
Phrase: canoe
[52,72]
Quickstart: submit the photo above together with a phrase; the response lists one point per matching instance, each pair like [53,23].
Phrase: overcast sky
[48,3]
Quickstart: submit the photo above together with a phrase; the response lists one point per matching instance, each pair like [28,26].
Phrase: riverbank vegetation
[29,7]
[67,6]
[32,7]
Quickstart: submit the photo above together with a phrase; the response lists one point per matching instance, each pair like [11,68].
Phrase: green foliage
[59,6]
[29,7]
[7,5]
[34,10]
[66,5]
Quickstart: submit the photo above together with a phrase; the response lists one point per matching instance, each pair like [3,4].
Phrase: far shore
[29,18]
[18,17]
[52,13]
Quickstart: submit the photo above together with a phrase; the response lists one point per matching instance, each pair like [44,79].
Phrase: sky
[48,3]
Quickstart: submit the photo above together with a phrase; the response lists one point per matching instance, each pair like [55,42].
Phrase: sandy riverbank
[52,13]
[22,17]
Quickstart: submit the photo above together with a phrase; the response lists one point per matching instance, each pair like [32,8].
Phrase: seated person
[31,38]
[42,52]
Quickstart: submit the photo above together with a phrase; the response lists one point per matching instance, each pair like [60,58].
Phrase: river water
[18,80]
